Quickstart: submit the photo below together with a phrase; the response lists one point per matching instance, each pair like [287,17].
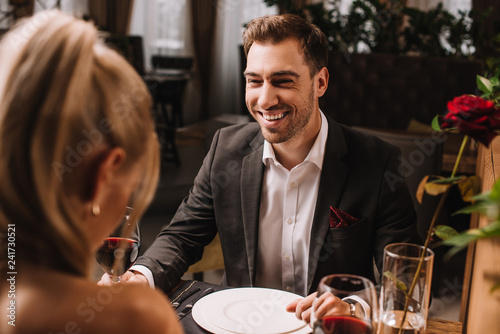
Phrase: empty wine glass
[119,251]
[360,316]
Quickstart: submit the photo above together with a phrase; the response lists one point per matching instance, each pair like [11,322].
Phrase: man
[268,188]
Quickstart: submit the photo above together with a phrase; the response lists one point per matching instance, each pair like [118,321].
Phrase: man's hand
[302,307]
[327,304]
[130,277]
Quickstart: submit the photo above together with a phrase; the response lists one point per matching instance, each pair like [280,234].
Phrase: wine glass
[360,316]
[119,251]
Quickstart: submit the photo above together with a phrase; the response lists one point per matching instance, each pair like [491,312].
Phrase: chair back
[167,62]
[130,47]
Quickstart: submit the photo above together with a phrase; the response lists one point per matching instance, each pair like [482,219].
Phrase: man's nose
[268,96]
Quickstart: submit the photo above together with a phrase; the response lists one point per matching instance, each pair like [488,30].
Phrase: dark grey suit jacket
[225,198]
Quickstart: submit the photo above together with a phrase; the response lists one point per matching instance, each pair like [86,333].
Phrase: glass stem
[116,279]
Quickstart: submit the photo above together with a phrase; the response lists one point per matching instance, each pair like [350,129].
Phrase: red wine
[110,250]
[342,325]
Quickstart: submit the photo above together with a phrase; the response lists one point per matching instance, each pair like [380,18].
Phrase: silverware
[187,309]
[175,304]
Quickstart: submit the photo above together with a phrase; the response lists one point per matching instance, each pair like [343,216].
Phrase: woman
[77,144]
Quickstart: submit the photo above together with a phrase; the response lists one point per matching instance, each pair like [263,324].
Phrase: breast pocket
[355,230]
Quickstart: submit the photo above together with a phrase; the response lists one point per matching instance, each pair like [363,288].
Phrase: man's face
[280,93]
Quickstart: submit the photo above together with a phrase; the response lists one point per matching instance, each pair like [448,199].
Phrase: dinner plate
[248,310]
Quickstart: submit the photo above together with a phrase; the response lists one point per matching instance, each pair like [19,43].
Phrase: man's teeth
[273,117]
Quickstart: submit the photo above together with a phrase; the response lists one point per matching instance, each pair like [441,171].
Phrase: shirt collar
[316,154]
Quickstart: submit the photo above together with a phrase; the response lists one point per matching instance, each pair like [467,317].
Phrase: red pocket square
[339,218]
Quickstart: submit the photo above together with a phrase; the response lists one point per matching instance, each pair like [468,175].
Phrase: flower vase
[406,288]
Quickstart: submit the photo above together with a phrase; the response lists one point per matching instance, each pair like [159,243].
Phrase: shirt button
[287,257]
[288,289]
[293,185]
[289,221]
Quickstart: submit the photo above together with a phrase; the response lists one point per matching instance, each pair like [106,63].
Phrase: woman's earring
[96,210]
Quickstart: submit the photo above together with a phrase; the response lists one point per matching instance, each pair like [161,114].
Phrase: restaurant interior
[392,71]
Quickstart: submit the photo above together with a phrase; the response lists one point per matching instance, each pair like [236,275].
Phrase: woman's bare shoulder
[127,309]
[151,308]
[62,303]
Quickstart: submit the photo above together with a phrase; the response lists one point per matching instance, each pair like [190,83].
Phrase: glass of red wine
[119,251]
[358,316]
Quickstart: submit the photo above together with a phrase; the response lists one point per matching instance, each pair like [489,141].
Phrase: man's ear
[106,169]
[322,81]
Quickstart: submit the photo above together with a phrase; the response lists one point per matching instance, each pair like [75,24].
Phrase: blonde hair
[65,99]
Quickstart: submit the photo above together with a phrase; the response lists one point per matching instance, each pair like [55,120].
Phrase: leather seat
[421,155]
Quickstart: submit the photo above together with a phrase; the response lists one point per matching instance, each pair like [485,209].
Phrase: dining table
[188,292]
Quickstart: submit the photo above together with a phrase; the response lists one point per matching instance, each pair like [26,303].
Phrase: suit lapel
[251,185]
[333,176]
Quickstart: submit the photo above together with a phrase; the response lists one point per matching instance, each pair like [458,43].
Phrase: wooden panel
[388,91]
[483,307]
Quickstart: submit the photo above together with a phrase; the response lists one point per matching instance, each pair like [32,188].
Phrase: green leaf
[445,232]
[399,284]
[464,238]
[440,185]
[448,180]
[492,230]
[435,124]
[490,62]
[480,207]
[484,85]
[495,287]
[495,81]
[495,191]
[452,252]
[460,240]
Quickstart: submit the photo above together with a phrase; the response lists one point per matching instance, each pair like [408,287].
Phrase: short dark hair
[273,29]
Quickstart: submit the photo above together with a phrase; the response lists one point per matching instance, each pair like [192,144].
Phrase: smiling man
[294,196]
[282,95]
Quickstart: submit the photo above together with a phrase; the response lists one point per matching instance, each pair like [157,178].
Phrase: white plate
[248,310]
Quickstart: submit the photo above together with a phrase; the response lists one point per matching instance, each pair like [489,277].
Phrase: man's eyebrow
[274,74]
[250,74]
[284,73]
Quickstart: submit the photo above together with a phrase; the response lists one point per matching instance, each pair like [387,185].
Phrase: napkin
[339,218]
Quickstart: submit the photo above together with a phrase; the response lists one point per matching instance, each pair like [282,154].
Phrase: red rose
[473,116]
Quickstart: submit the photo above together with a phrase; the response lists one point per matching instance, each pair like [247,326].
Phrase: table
[182,294]
[439,326]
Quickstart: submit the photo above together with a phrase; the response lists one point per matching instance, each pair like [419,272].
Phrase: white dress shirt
[287,205]
[285,221]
